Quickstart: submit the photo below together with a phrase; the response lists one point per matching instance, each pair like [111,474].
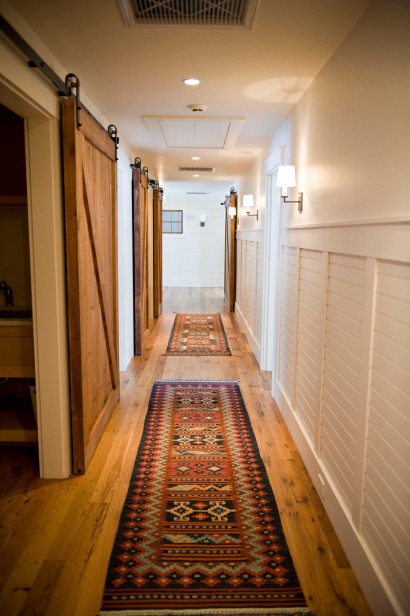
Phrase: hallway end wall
[195,258]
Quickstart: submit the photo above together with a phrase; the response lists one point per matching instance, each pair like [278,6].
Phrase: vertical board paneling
[386,500]
[308,358]
[343,379]
[340,403]
[249,285]
[239,270]
[288,320]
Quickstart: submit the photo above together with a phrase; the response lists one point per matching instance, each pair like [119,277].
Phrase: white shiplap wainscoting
[248,305]
[343,386]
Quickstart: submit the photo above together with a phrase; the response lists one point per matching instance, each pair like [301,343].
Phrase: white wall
[125,260]
[349,136]
[195,258]
[343,354]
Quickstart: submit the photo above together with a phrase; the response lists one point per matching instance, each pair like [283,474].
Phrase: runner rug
[200,532]
[198,334]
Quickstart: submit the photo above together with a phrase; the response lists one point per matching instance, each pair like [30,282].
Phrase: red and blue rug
[198,334]
[200,532]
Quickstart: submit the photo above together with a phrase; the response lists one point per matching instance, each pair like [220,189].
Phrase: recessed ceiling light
[196,175]
[196,158]
[191,81]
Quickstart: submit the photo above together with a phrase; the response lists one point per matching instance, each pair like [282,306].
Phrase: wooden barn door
[230,253]
[157,205]
[90,219]
[141,247]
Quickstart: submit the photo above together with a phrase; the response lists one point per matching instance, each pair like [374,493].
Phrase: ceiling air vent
[223,13]
[196,193]
[198,169]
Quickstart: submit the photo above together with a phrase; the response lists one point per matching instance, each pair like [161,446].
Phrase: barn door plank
[230,254]
[90,221]
[102,296]
[141,257]
[157,238]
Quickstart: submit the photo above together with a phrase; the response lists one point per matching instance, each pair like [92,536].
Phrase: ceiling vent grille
[196,193]
[198,169]
[223,13]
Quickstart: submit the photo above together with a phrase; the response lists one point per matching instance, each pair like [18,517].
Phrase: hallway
[56,536]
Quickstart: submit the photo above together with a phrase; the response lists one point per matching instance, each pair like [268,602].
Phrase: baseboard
[371,580]
[248,333]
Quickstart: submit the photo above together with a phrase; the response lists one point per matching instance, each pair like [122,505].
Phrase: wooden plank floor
[56,536]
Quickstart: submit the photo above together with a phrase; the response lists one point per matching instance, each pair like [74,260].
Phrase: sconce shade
[248,202]
[286,177]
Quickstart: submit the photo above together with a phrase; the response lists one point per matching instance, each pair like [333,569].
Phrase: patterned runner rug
[200,533]
[198,334]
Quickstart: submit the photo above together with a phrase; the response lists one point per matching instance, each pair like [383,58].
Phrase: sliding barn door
[141,260]
[230,254]
[90,219]
[157,208]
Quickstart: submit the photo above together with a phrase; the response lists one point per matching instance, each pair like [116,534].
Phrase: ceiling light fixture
[191,81]
[196,158]
[197,107]
[196,175]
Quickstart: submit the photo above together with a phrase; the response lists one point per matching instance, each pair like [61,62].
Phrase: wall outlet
[322,485]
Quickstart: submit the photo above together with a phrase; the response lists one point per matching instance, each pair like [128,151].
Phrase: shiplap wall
[194,258]
[343,383]
[249,281]
[386,500]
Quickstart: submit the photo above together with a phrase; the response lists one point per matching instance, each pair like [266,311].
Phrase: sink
[15,312]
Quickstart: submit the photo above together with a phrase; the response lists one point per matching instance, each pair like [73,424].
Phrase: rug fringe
[197,381]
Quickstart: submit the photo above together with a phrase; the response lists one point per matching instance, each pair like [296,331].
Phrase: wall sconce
[202,220]
[249,204]
[232,211]
[285,179]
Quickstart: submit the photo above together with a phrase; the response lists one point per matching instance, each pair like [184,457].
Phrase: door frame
[48,279]
[271,260]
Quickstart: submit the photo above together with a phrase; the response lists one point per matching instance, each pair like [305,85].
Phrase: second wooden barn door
[230,253]
[157,239]
[90,212]
[141,256]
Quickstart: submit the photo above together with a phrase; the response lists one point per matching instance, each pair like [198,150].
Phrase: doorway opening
[47,278]
[17,373]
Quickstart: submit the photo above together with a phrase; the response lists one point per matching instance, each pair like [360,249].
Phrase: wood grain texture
[157,250]
[141,246]
[90,215]
[230,253]
[56,536]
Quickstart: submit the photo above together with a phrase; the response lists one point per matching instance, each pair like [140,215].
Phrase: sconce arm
[299,201]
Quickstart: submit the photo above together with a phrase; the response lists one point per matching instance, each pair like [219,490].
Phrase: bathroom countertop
[12,322]
[14,313]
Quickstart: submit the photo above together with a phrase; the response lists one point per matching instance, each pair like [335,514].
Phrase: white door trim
[273,215]
[48,280]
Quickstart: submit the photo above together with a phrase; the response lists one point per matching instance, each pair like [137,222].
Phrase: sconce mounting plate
[299,201]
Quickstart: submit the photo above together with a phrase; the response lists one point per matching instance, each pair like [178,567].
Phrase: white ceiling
[249,79]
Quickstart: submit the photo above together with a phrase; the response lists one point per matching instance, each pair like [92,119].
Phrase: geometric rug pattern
[198,334]
[200,532]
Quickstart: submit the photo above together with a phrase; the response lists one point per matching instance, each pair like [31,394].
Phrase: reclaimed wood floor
[56,535]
